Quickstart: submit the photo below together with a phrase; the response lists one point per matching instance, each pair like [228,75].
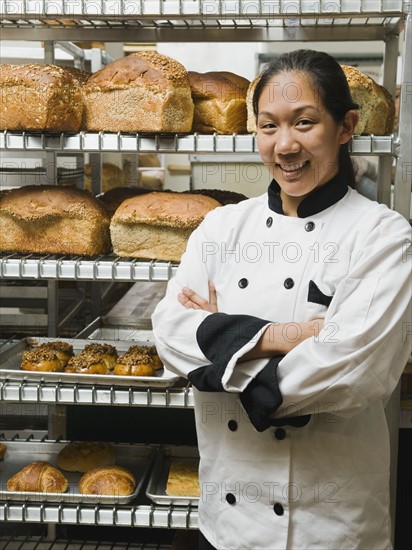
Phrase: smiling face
[298,139]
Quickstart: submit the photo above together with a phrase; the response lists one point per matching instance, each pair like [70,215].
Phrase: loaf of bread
[108,480]
[112,176]
[251,118]
[38,477]
[142,92]
[3,449]
[376,106]
[113,198]
[40,97]
[183,478]
[157,225]
[220,195]
[82,456]
[220,102]
[53,220]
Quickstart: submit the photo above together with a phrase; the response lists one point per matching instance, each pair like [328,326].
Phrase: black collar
[323,197]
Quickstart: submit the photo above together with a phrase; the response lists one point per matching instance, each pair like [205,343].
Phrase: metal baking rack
[159,20]
[81,394]
[167,517]
[39,542]
[104,142]
[101,268]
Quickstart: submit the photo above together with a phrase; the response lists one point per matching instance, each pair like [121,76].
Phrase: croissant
[38,477]
[3,449]
[108,480]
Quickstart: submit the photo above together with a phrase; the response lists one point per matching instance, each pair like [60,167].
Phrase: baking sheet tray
[119,328]
[137,458]
[156,487]
[10,361]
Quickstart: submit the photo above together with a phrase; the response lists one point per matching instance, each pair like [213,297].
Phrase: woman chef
[289,315]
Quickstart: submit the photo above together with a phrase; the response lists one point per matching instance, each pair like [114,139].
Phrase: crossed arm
[272,341]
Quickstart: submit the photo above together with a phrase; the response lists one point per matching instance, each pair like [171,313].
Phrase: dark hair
[329,82]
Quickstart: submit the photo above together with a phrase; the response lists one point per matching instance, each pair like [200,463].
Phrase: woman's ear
[348,126]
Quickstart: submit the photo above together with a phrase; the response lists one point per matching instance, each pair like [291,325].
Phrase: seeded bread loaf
[54,220]
[251,119]
[376,106]
[142,92]
[40,98]
[220,102]
[157,225]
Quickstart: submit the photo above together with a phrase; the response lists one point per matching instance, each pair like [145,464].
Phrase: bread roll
[183,479]
[376,106]
[53,220]
[63,350]
[142,92]
[82,456]
[87,363]
[40,97]
[220,102]
[38,477]
[157,225]
[135,363]
[41,360]
[107,352]
[109,480]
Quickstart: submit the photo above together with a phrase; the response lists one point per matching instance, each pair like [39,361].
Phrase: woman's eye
[267,125]
[304,122]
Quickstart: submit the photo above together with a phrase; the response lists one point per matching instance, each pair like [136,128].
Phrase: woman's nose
[286,142]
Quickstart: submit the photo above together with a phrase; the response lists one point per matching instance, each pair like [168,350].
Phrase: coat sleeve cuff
[224,339]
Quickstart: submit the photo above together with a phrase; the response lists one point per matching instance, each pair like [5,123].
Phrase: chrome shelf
[101,268]
[168,517]
[155,10]
[79,394]
[201,20]
[191,143]
[36,542]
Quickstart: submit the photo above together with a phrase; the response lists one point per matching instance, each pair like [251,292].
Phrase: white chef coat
[323,485]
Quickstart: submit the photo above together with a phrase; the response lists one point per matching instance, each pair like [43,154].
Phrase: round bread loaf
[39,477]
[82,456]
[109,480]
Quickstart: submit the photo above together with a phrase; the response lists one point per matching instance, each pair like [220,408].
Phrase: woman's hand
[190,300]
